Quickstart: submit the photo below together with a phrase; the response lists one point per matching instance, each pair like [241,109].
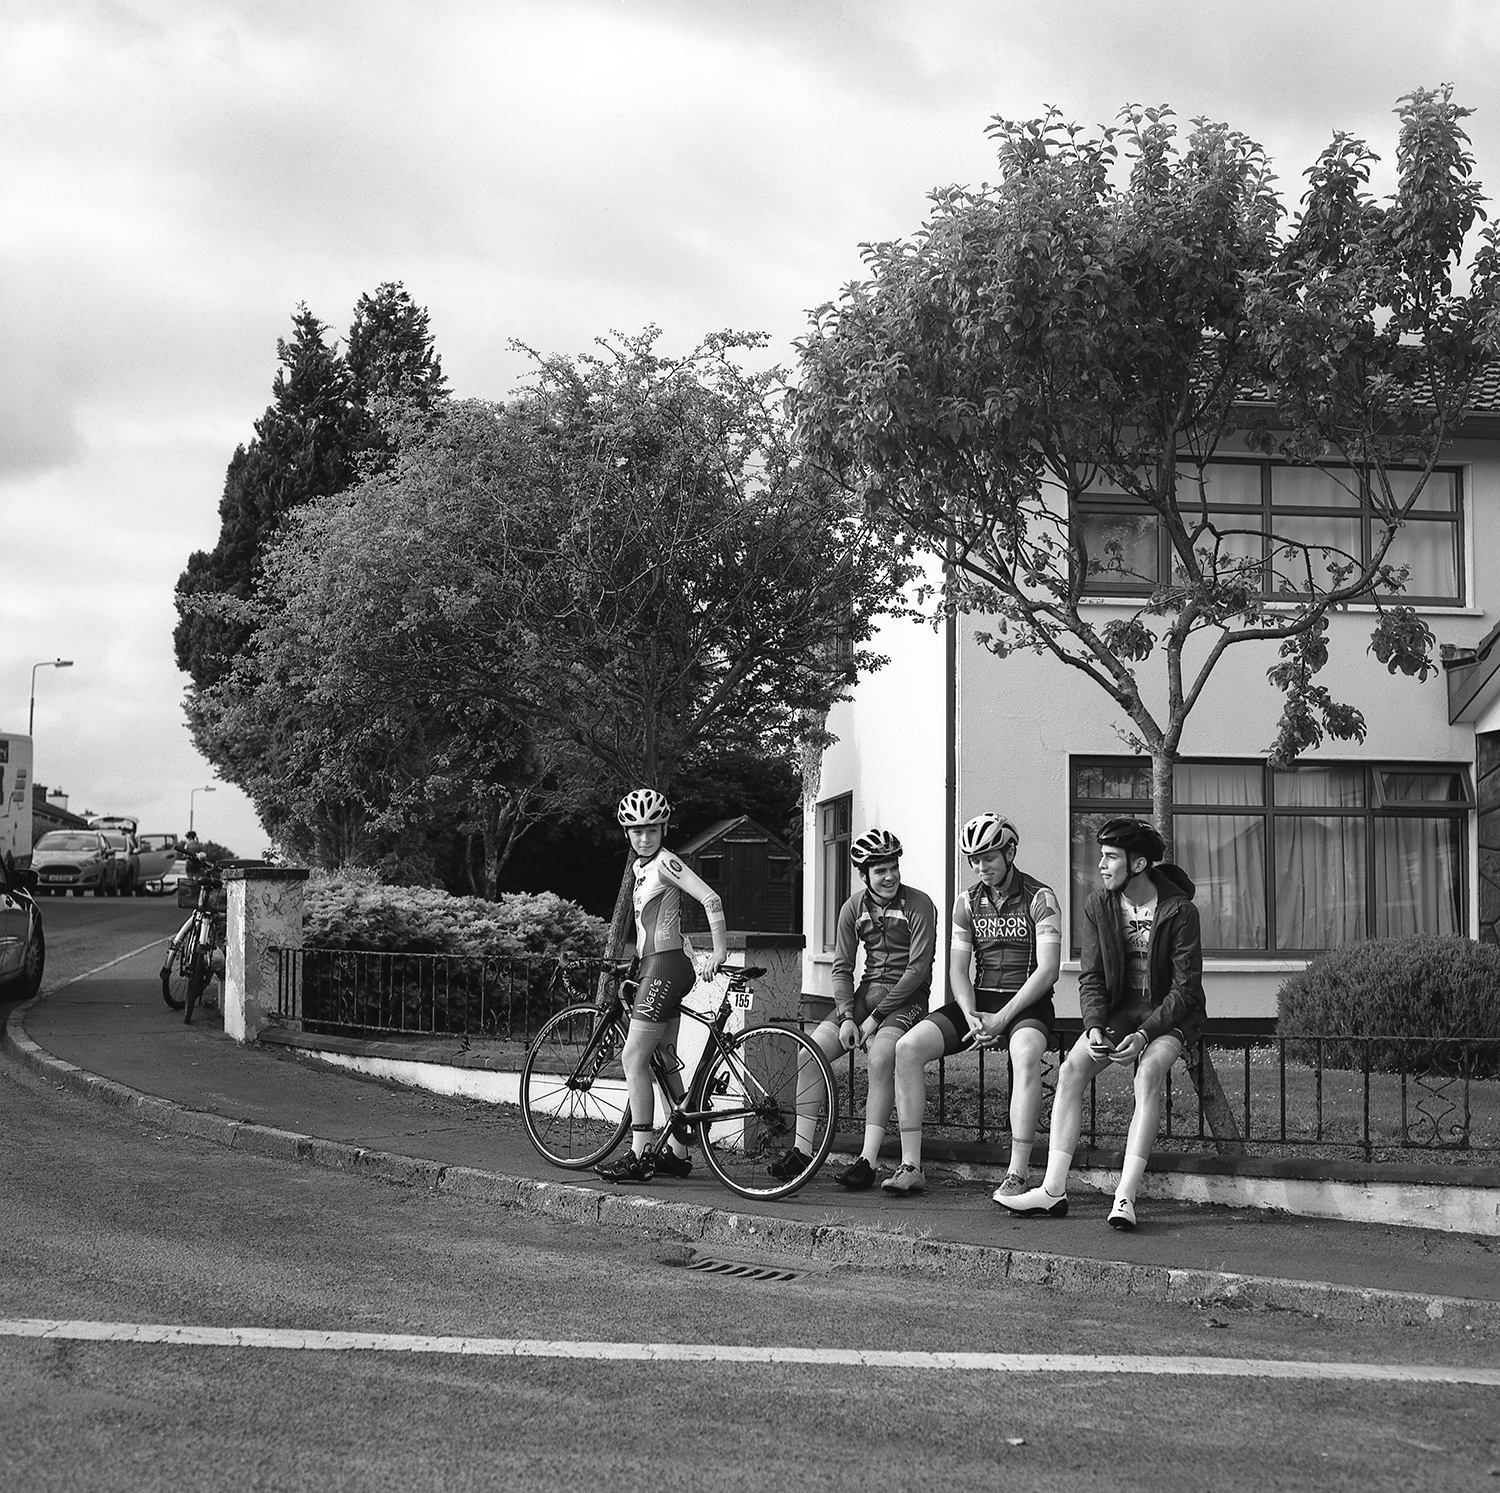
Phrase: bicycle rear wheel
[573,1096]
[762,1086]
[197,978]
[174,973]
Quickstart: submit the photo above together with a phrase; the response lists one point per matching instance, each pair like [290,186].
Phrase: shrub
[499,976]
[353,911]
[1421,988]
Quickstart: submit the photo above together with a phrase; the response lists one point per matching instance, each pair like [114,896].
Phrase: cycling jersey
[660,881]
[1007,928]
[899,938]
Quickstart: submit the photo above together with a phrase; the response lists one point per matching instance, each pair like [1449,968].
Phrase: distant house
[753,872]
[1397,834]
[47,815]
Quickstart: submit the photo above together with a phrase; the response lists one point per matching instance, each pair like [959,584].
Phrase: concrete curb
[720,1229]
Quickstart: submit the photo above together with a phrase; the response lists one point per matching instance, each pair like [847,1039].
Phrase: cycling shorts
[902,1019]
[954,1025]
[666,978]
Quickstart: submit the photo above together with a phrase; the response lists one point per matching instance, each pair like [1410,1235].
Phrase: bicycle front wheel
[174,973]
[772,1108]
[573,1096]
[197,978]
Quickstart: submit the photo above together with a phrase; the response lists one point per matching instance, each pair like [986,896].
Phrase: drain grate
[740,1271]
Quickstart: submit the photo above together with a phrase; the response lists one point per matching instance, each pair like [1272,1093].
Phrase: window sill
[1424,609]
[821,958]
[1270,964]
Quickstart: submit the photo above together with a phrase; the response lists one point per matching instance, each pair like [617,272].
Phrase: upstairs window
[1283,528]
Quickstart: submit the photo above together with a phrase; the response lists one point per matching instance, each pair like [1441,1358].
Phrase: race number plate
[743,1000]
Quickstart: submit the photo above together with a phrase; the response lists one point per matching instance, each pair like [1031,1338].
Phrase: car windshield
[58,841]
[118,841]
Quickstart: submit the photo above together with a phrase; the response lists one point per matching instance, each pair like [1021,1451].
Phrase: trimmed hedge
[1422,988]
[353,911]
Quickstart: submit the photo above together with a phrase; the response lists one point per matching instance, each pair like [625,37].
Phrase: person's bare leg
[1028,1046]
[1150,1083]
[880,1051]
[923,1044]
[640,1042]
[826,1035]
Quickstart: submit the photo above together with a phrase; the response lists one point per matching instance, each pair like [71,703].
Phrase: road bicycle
[190,962]
[748,1091]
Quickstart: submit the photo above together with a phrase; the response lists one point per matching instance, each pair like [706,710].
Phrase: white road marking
[307,1340]
[99,969]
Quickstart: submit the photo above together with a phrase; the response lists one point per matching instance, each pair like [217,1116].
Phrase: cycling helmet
[643,806]
[1134,837]
[986,832]
[875,845]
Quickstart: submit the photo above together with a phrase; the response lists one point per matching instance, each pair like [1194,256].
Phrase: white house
[1397,834]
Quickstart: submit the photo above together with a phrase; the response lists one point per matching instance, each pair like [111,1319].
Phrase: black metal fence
[356,992]
[1333,1095]
[1346,1094]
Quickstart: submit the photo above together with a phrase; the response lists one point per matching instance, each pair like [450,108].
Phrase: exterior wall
[891,756]
[1020,720]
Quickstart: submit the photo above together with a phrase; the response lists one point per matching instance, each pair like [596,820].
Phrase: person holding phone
[1140,987]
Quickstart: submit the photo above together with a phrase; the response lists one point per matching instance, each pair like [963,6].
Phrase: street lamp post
[46,663]
[206,788]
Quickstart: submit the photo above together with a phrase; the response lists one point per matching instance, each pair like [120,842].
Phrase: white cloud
[179,174]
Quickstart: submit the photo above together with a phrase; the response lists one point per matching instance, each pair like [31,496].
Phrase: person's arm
[845,942]
[1093,989]
[921,920]
[1046,917]
[1184,995]
[688,880]
[961,963]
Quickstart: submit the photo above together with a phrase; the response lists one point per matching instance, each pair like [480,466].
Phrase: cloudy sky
[178,176]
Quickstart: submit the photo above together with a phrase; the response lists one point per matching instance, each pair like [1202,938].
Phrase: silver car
[73,860]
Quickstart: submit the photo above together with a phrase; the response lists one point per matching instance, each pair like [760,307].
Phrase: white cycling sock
[1130,1176]
[1056,1181]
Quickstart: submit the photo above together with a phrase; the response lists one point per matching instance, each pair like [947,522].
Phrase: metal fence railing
[1349,1095]
[356,992]
[1336,1095]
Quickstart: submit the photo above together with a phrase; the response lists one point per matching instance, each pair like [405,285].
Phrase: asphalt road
[102,1219]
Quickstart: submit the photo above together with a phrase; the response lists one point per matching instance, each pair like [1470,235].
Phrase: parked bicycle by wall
[196,954]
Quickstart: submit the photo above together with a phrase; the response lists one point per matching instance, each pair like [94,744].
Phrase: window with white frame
[835,817]
[1291,863]
[1283,528]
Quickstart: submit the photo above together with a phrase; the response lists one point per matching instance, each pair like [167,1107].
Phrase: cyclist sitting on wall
[897,926]
[666,975]
[1008,925]
[1140,987]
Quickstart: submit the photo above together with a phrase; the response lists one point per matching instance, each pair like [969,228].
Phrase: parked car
[127,862]
[23,950]
[157,852]
[73,860]
[166,884]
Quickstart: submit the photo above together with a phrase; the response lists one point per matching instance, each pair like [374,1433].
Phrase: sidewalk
[114,1026]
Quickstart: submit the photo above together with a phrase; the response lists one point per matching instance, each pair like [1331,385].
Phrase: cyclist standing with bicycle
[666,975]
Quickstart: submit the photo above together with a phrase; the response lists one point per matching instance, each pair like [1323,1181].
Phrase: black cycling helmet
[1133,836]
[875,845]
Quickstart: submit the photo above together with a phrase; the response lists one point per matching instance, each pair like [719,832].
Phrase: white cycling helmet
[875,845]
[643,806]
[986,832]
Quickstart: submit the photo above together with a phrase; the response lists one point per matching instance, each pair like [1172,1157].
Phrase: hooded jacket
[1174,962]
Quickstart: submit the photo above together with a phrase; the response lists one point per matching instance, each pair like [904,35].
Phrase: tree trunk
[1204,1078]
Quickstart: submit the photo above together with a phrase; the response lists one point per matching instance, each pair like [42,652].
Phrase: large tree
[1104,319]
[330,418]
[627,565]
